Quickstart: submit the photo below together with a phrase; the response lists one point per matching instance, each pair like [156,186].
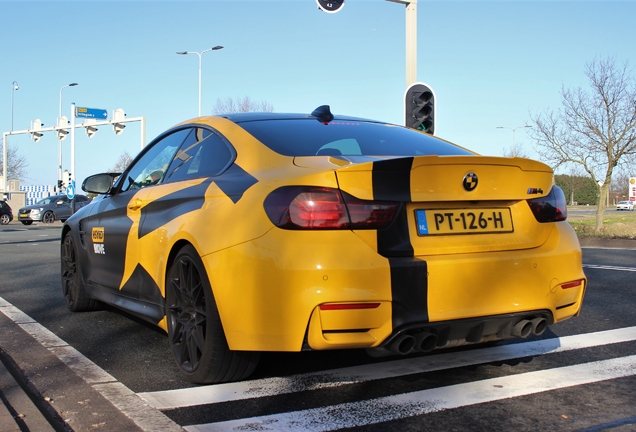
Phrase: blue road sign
[70,190]
[95,113]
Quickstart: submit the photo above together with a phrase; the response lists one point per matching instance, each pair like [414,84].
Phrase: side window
[347,146]
[150,169]
[203,154]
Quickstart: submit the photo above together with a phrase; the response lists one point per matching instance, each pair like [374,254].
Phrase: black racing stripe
[234,182]
[409,288]
[171,206]
[392,179]
[395,241]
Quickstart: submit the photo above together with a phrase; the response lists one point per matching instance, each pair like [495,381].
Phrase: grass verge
[616,224]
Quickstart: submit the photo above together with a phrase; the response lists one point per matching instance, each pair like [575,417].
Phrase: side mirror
[99,183]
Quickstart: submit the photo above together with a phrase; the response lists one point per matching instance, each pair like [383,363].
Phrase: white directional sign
[70,190]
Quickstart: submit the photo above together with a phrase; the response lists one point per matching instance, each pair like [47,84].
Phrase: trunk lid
[452,204]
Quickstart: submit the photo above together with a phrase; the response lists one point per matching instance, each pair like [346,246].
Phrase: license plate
[491,220]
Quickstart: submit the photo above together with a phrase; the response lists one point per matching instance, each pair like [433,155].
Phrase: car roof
[262,116]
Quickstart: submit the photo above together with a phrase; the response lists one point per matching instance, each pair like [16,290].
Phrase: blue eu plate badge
[422,225]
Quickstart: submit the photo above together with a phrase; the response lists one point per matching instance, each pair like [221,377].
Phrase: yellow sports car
[257,232]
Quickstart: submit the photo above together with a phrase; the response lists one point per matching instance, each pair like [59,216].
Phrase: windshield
[48,200]
[309,137]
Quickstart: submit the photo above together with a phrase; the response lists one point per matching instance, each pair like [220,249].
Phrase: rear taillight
[550,208]
[306,207]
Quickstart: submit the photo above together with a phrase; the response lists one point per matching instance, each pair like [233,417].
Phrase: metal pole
[411,43]
[411,40]
[200,57]
[14,87]
[72,176]
[4,162]
[59,140]
[143,132]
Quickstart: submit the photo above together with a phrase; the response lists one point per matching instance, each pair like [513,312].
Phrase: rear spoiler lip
[365,163]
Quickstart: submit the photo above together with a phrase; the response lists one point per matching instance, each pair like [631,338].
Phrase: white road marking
[406,405]
[146,417]
[171,399]
[604,267]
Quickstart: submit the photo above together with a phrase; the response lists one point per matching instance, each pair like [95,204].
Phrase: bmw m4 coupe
[254,232]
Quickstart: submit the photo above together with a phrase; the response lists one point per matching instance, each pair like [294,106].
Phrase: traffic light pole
[411,40]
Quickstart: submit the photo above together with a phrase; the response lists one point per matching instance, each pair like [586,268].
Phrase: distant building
[36,193]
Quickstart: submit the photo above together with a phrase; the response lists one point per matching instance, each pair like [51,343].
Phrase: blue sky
[491,63]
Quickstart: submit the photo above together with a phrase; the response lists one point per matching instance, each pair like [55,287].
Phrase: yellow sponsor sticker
[98,235]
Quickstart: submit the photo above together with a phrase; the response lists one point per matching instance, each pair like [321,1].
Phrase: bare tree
[517,151]
[594,129]
[245,104]
[16,164]
[124,160]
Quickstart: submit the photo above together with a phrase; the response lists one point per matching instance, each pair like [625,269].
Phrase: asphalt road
[579,375]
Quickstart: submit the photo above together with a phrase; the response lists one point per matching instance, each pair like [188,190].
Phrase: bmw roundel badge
[470,181]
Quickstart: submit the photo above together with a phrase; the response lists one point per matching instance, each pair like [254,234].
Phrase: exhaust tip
[523,328]
[425,342]
[539,326]
[403,344]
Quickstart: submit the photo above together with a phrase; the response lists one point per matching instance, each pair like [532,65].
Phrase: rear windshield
[309,137]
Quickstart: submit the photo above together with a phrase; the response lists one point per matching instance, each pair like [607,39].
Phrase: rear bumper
[275,306]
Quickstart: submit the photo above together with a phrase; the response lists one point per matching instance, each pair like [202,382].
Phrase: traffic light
[60,186]
[119,114]
[419,108]
[330,6]
[62,122]
[66,179]
[36,126]
[90,129]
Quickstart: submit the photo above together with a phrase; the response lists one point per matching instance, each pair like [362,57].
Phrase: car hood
[32,206]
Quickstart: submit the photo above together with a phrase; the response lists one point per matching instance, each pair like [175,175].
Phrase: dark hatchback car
[6,214]
[50,209]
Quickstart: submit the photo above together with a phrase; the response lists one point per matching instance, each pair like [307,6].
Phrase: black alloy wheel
[48,217]
[194,326]
[72,284]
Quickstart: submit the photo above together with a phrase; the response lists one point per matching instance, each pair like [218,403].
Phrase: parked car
[254,232]
[625,205]
[6,213]
[50,209]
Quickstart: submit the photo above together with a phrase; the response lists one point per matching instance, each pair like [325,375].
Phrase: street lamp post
[200,54]
[14,87]
[59,138]
[514,148]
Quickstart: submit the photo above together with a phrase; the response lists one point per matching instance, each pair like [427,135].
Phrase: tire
[28,222]
[48,217]
[4,219]
[195,331]
[72,284]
